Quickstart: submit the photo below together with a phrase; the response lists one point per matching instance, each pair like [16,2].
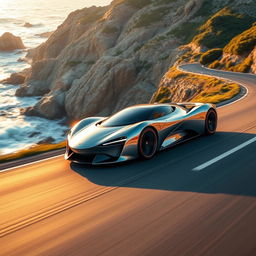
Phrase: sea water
[18,131]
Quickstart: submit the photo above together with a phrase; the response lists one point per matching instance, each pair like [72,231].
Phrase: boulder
[14,79]
[27,25]
[48,140]
[50,106]
[9,42]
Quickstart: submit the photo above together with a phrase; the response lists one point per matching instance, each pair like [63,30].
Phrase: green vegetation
[186,31]
[73,63]
[160,2]
[143,65]
[205,89]
[151,17]
[243,43]
[110,30]
[118,52]
[134,3]
[205,10]
[138,4]
[243,66]
[217,93]
[92,17]
[163,95]
[221,28]
[215,64]
[210,56]
[37,149]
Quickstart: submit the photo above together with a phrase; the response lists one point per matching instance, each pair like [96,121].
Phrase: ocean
[17,131]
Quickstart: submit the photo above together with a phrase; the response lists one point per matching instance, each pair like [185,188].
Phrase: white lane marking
[220,157]
[30,163]
[179,68]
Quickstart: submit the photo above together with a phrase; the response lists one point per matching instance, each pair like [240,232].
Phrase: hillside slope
[226,40]
[102,59]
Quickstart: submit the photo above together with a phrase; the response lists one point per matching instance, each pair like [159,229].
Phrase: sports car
[139,131]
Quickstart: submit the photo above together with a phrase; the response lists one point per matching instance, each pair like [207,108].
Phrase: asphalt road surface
[198,198]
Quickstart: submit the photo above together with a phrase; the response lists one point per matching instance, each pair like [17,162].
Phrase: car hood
[92,136]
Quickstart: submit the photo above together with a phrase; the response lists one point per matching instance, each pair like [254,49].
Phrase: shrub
[215,64]
[185,31]
[159,2]
[92,17]
[153,16]
[143,65]
[34,150]
[109,30]
[243,43]
[162,95]
[134,3]
[221,28]
[210,56]
[73,63]
[218,93]
[245,66]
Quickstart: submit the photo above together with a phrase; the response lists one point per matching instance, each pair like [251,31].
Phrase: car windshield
[136,114]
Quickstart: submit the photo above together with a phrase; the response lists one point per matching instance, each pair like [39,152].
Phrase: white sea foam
[17,131]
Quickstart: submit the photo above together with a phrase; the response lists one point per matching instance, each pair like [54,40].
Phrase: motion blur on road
[164,206]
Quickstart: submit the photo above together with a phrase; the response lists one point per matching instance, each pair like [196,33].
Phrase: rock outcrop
[102,59]
[45,34]
[9,42]
[27,25]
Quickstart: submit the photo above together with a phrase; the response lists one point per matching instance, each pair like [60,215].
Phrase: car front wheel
[148,143]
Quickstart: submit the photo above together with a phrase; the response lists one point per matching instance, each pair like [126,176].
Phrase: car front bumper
[98,155]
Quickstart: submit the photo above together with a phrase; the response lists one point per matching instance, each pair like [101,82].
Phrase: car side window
[161,111]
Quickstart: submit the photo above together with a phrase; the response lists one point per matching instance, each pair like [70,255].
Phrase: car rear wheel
[211,122]
[148,143]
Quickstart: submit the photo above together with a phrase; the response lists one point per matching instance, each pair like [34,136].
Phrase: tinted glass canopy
[137,114]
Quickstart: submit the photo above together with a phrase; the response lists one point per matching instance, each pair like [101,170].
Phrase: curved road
[198,198]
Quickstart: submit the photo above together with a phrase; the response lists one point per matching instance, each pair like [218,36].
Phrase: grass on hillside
[218,93]
[92,17]
[208,89]
[34,150]
[109,30]
[221,28]
[151,17]
[138,4]
[243,43]
[186,31]
[210,56]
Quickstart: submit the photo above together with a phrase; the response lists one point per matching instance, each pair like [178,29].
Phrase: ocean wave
[10,20]
[28,131]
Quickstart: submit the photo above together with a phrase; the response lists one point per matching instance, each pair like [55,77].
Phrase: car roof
[150,105]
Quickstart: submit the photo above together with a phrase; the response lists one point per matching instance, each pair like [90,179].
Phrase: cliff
[225,40]
[102,59]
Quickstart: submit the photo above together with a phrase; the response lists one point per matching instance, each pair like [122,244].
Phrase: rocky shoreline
[10,42]
[102,59]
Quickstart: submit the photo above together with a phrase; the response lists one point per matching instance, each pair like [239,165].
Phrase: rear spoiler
[190,105]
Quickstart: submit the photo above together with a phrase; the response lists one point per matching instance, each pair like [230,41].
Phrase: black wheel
[211,122]
[148,143]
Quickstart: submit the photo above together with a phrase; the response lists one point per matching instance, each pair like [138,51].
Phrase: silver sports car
[138,131]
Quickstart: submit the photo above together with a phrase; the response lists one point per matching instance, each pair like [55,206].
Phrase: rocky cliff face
[224,39]
[102,59]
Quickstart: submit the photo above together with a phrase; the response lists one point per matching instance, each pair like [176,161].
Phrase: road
[198,198]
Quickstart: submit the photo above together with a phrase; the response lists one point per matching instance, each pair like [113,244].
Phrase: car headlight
[115,141]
